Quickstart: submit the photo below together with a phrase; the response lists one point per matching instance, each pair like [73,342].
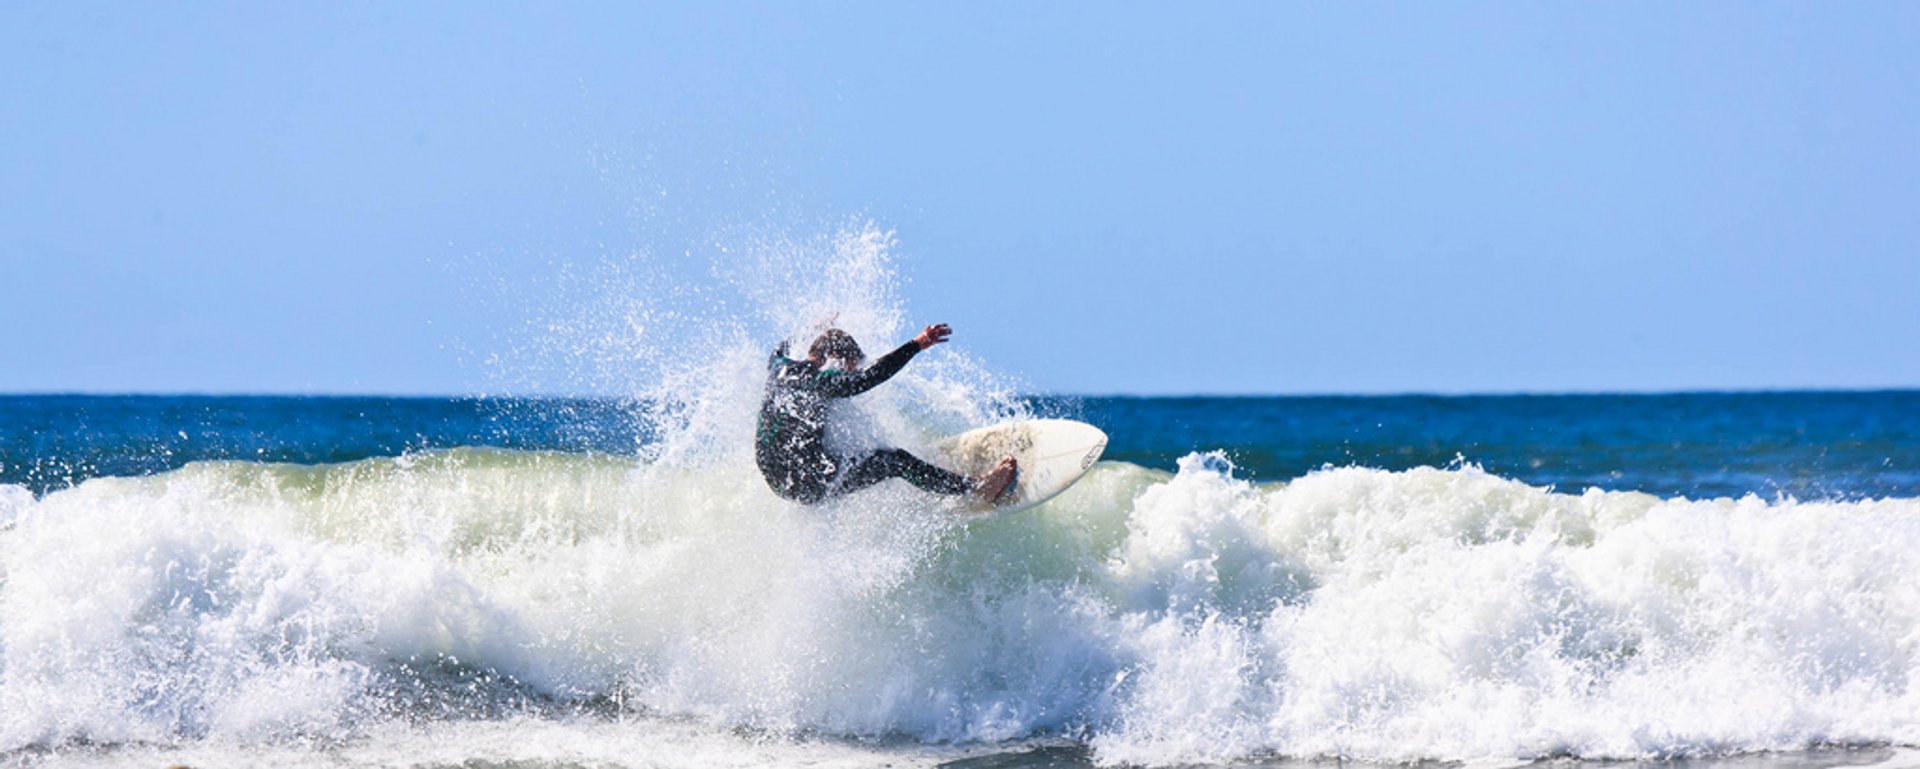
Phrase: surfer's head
[838,345]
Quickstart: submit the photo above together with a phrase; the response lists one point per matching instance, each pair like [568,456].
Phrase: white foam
[1454,615]
[1429,614]
[14,500]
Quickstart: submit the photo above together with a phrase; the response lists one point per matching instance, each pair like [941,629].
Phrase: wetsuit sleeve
[839,384]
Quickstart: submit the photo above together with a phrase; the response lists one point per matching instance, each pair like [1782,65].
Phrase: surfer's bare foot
[994,485]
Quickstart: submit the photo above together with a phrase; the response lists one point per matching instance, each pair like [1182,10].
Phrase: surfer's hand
[933,335]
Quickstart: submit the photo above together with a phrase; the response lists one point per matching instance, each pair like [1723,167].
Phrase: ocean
[1698,579]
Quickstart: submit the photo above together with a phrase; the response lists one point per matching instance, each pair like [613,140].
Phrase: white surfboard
[1052,453]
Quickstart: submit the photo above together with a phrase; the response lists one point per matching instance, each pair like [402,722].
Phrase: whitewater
[479,606]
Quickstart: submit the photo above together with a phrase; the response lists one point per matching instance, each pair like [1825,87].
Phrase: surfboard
[1053,454]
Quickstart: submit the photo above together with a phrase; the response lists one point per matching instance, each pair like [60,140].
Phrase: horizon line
[1651,392]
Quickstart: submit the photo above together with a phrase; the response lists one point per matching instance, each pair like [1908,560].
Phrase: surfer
[791,445]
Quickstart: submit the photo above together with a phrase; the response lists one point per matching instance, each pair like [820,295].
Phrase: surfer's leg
[896,463]
[789,478]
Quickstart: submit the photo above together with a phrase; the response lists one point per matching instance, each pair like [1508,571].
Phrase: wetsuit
[791,447]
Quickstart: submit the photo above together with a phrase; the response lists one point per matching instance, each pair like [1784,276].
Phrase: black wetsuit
[791,448]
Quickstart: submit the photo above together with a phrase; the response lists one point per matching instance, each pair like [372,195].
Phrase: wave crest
[1444,614]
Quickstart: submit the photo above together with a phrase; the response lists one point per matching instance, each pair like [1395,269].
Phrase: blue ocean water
[1809,445]
[54,441]
[343,581]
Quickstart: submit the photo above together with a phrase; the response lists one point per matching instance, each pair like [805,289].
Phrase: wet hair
[834,343]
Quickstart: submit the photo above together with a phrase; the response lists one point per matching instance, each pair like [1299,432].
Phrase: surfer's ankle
[993,486]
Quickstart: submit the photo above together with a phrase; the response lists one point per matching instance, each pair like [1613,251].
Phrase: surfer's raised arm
[846,384]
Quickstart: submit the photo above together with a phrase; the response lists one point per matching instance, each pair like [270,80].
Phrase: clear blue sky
[1167,198]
